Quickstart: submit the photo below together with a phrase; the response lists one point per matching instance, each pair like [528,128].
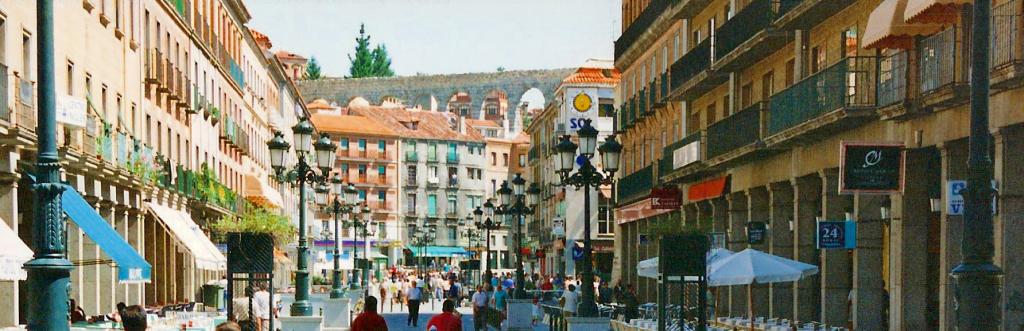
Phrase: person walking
[631,302]
[448,320]
[369,320]
[480,309]
[413,297]
[261,307]
[384,293]
[569,301]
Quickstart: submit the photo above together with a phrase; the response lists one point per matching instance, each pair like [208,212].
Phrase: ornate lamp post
[303,172]
[586,177]
[366,247]
[487,224]
[49,271]
[518,202]
[422,235]
[339,206]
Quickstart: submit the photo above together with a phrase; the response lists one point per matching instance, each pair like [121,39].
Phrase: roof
[261,38]
[350,124]
[593,76]
[285,55]
[429,124]
[522,138]
[487,123]
[319,104]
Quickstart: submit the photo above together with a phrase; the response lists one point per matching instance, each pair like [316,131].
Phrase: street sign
[756,232]
[871,168]
[955,197]
[836,235]
[665,198]
[577,252]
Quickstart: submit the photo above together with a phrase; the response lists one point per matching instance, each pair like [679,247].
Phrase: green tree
[366,62]
[313,69]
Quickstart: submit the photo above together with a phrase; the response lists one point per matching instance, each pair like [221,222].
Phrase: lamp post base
[337,314]
[301,323]
[520,315]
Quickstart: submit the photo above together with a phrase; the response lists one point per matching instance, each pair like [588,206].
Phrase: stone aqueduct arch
[418,90]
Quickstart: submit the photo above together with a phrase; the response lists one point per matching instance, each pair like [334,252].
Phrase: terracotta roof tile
[594,75]
[319,104]
[349,124]
[487,123]
[429,124]
[288,56]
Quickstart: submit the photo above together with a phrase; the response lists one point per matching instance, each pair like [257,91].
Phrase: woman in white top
[570,300]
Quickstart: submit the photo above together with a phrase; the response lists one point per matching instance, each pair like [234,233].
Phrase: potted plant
[251,238]
[214,115]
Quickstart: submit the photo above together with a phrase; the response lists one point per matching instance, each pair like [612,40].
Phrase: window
[411,172]
[604,225]
[711,113]
[522,160]
[767,85]
[382,197]
[790,72]
[817,59]
[362,195]
[362,172]
[344,171]
[494,158]
[848,41]
[344,143]
[453,233]
[362,145]
[382,146]
[410,202]
[432,173]
[432,205]
[726,110]
[453,204]
[26,56]
[382,171]
[504,158]
[71,78]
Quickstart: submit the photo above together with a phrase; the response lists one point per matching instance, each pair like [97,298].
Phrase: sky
[444,36]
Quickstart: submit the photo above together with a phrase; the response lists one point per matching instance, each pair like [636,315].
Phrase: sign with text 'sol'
[579,105]
[955,197]
[836,235]
[871,168]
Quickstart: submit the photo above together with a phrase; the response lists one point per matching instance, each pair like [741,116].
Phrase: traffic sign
[955,197]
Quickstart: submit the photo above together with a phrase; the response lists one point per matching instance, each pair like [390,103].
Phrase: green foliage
[366,62]
[500,69]
[258,220]
[319,280]
[313,69]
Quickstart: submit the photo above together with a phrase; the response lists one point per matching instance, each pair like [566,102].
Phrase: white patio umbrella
[754,266]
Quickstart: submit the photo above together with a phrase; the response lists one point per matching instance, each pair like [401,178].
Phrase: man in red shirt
[546,285]
[448,320]
[369,320]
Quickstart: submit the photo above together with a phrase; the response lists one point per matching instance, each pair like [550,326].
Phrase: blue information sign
[836,235]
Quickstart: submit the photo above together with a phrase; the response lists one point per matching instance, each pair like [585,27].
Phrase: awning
[261,193]
[708,189]
[180,224]
[944,12]
[329,244]
[13,254]
[131,267]
[438,251]
[887,28]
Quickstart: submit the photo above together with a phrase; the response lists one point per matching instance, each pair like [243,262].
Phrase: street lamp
[486,223]
[586,177]
[323,159]
[516,204]
[366,246]
[341,204]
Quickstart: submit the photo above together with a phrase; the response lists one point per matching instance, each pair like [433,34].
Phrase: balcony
[433,182]
[453,158]
[664,88]
[682,159]
[453,182]
[24,104]
[1007,62]
[410,211]
[411,181]
[640,25]
[642,109]
[748,37]
[411,156]
[738,135]
[635,185]
[943,80]
[840,96]
[892,79]
[692,75]
[432,156]
[153,67]
[805,14]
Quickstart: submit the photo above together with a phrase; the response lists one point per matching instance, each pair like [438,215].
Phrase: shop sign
[687,154]
[558,227]
[836,235]
[955,197]
[665,198]
[871,168]
[756,232]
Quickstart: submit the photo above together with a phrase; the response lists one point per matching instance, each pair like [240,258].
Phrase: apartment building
[163,110]
[742,108]
[558,217]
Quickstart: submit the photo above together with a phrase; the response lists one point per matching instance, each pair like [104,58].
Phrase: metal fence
[892,78]
[938,60]
[740,129]
[848,83]
[25,97]
[1005,34]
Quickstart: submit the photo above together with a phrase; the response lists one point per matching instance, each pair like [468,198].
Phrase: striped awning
[438,251]
[943,12]
[887,27]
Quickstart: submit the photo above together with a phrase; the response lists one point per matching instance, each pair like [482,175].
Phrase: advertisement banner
[578,105]
[71,110]
[871,168]
[687,154]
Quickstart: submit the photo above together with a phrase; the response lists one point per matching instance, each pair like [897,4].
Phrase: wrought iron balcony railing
[850,83]
[738,130]
[635,185]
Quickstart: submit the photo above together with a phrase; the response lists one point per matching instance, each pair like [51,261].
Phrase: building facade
[164,107]
[743,107]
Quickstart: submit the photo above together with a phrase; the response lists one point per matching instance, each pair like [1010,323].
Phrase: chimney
[462,125]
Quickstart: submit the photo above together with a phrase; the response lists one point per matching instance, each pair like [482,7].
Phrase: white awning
[13,254]
[189,235]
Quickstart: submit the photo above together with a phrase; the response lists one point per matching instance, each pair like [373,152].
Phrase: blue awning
[438,251]
[131,268]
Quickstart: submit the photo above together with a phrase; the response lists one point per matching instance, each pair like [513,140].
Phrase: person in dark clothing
[604,294]
[631,302]
[134,318]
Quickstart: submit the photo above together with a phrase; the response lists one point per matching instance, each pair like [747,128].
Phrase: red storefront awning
[708,189]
